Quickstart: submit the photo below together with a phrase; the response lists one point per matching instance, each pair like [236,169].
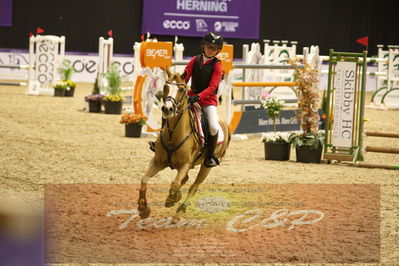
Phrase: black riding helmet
[212,38]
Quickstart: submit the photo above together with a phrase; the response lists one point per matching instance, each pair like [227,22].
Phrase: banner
[6,13]
[344,104]
[230,18]
[85,65]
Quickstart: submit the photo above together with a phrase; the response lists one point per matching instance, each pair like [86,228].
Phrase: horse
[178,146]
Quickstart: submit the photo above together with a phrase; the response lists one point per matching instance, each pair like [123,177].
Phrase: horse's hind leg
[174,191]
[203,173]
[152,170]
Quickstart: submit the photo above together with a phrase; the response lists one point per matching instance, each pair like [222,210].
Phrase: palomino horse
[178,147]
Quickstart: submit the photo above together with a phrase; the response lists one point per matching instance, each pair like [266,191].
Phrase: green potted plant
[95,99]
[276,144]
[309,143]
[113,101]
[133,124]
[60,88]
[66,71]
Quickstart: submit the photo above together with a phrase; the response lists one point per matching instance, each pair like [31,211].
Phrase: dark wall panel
[332,24]
[82,22]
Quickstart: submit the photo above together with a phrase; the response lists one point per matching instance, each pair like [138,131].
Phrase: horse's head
[174,94]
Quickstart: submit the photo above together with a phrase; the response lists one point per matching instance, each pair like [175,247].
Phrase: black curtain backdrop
[331,24]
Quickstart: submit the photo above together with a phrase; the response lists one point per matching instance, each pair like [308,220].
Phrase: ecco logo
[176,24]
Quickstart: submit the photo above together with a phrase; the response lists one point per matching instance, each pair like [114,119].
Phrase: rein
[168,146]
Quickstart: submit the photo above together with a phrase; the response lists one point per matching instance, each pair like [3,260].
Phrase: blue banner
[230,18]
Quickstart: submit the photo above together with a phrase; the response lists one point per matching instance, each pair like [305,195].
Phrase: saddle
[200,125]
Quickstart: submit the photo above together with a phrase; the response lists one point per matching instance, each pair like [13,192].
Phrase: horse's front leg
[202,174]
[174,191]
[152,170]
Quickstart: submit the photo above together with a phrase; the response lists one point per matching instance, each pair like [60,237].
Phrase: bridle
[177,104]
[178,110]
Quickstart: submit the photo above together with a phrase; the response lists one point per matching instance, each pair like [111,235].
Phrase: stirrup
[152,145]
[211,161]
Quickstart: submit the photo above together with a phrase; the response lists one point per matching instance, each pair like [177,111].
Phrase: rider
[205,71]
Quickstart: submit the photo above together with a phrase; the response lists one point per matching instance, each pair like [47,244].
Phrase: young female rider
[205,71]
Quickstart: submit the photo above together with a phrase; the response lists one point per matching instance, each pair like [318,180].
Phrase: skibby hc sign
[230,18]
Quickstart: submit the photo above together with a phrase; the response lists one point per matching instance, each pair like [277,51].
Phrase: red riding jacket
[208,95]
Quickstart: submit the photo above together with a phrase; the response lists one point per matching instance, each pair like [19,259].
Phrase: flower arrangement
[308,102]
[131,118]
[71,84]
[61,85]
[94,97]
[273,107]
[114,98]
[276,137]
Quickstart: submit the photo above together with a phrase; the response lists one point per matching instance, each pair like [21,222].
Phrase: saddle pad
[201,132]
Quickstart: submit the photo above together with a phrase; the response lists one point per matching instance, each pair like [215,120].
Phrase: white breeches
[212,115]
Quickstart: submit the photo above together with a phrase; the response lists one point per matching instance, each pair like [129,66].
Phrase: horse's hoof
[144,212]
[172,199]
[175,220]
[169,203]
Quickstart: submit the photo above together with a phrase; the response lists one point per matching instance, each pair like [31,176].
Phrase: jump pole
[13,83]
[25,67]
[382,134]
[370,165]
[382,149]
[234,120]
[15,66]
[264,84]
[259,101]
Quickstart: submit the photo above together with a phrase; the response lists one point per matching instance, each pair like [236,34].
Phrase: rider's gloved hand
[193,99]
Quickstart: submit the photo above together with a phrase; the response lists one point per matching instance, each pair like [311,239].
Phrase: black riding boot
[152,143]
[211,160]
